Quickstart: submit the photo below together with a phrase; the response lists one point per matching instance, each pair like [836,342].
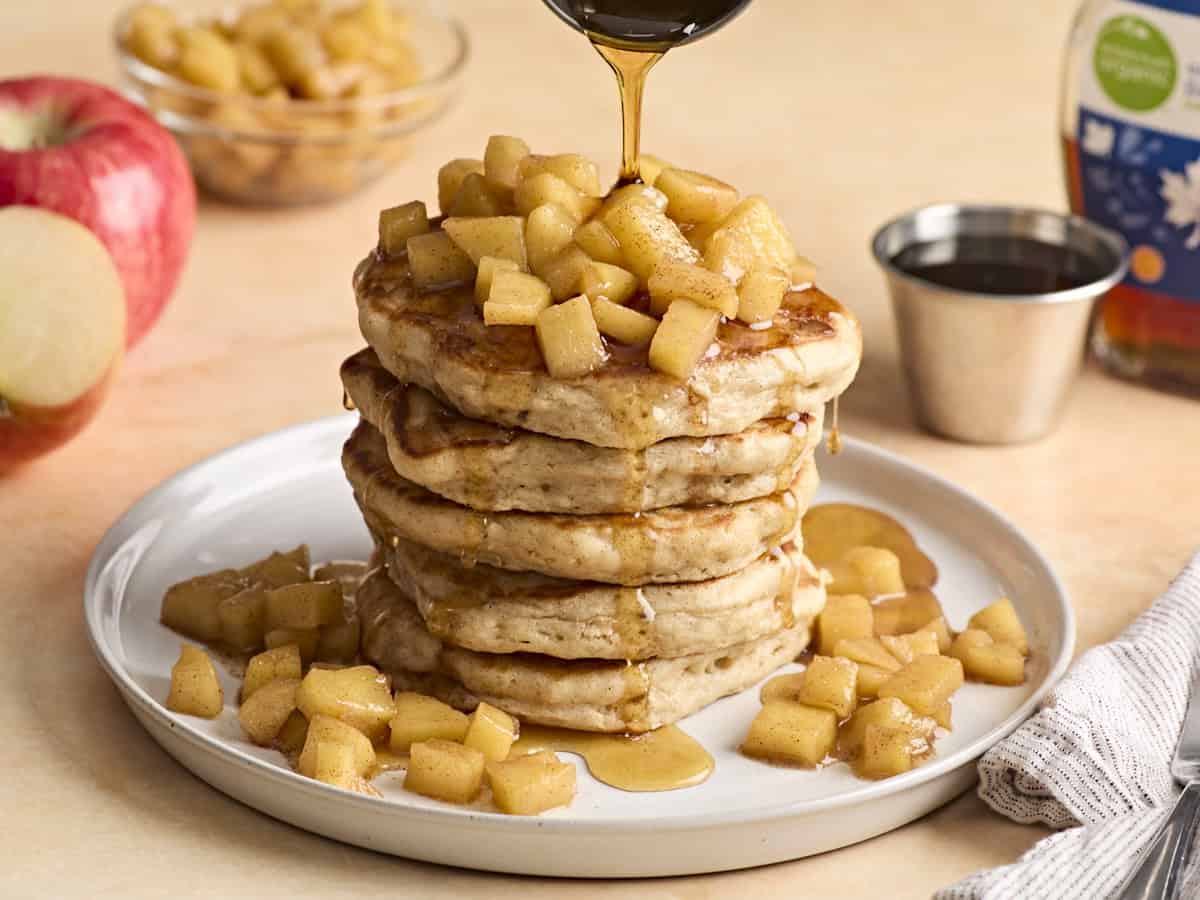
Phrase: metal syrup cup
[994,368]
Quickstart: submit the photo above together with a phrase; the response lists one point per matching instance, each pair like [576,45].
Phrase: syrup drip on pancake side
[635,703]
[785,596]
[635,628]
[835,436]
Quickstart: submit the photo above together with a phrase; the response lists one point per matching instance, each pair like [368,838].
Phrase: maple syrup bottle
[1131,137]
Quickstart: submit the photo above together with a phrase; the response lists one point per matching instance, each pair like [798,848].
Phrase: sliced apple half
[62,330]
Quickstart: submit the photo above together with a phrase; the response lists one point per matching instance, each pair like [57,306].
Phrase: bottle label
[1138,139]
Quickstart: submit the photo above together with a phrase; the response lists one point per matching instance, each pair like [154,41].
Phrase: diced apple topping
[761,293]
[789,733]
[984,659]
[751,235]
[576,170]
[564,272]
[887,713]
[846,617]
[398,224]
[502,237]
[548,231]
[436,262]
[925,683]
[304,639]
[608,282]
[907,647]
[358,696]
[1001,622]
[502,159]
[243,619]
[781,687]
[478,197]
[941,631]
[531,784]
[647,236]
[830,683]
[678,236]
[293,734]
[643,194]
[903,615]
[594,238]
[445,770]
[488,267]
[628,326]
[191,607]
[420,718]
[324,729]
[195,689]
[569,339]
[451,177]
[548,188]
[867,651]
[280,663]
[516,299]
[263,714]
[683,337]
[673,279]
[303,606]
[887,752]
[695,198]
[491,731]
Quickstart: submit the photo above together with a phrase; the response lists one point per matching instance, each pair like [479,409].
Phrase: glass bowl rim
[430,86]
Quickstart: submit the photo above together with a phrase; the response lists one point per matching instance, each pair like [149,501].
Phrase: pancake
[493,611]
[589,695]
[490,467]
[678,543]
[439,341]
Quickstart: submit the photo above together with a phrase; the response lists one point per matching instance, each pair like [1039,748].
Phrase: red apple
[84,151]
[62,330]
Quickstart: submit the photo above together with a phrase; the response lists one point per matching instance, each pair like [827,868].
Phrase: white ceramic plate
[287,488]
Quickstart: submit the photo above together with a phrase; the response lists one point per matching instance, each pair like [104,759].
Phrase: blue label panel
[1145,184]
[1187,7]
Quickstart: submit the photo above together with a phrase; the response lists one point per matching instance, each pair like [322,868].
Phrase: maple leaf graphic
[1181,190]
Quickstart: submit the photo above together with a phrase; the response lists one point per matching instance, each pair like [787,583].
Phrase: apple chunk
[500,236]
[751,235]
[672,279]
[63,313]
[646,236]
[622,323]
[515,299]
[569,339]
[686,333]
[694,197]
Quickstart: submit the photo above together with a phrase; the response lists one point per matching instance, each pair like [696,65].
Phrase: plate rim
[941,767]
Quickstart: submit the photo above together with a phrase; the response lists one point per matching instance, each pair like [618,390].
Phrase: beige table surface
[844,113]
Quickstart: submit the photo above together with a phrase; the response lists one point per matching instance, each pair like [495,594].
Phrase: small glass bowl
[290,152]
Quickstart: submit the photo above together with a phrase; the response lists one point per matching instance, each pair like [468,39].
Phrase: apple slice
[63,310]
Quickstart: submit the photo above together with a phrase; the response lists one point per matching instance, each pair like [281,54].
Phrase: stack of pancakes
[607,553]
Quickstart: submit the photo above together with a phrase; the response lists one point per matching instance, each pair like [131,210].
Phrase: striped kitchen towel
[1095,761]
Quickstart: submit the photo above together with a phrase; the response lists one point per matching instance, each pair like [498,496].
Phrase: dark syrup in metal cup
[992,307]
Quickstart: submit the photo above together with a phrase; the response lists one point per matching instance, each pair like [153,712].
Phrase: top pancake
[439,341]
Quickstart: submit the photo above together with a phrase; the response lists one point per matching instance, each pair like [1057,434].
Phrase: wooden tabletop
[843,114]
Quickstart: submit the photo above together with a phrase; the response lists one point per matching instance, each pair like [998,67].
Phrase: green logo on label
[1135,63]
